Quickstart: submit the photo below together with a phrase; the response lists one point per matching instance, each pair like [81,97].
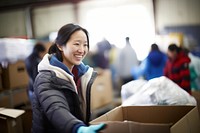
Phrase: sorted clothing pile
[157,91]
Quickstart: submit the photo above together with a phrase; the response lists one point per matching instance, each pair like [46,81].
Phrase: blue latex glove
[91,129]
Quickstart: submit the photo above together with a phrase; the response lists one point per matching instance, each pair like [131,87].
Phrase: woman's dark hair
[62,38]
[174,47]
[154,47]
[39,47]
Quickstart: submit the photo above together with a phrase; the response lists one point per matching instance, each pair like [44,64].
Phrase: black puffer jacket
[57,107]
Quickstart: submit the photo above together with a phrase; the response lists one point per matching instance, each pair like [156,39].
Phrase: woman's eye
[76,44]
[86,45]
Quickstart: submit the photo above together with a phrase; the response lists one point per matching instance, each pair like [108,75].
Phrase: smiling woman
[75,49]
[61,100]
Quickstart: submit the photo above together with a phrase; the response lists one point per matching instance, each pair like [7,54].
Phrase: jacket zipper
[88,97]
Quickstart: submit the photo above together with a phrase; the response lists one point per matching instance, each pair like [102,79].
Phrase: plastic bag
[131,88]
[160,91]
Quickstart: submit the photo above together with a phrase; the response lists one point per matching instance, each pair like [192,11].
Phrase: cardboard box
[14,98]
[19,97]
[102,91]
[27,118]
[11,121]
[15,75]
[151,119]
[5,101]
[196,95]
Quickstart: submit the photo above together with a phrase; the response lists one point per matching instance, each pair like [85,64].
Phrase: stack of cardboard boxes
[13,84]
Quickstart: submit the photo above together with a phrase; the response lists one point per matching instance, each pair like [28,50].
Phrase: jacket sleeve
[55,106]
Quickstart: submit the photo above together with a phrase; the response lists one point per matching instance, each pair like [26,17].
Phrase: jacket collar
[82,69]
[55,62]
[60,73]
[84,72]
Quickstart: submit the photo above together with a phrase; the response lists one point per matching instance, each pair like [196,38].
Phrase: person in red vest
[177,67]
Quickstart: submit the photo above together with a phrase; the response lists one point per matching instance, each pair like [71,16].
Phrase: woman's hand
[91,129]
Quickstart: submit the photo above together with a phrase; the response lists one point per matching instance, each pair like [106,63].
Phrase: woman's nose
[81,49]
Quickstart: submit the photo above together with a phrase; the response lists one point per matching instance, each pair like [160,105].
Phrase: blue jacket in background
[152,66]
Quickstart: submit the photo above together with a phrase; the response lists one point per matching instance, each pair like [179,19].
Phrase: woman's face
[75,49]
[172,54]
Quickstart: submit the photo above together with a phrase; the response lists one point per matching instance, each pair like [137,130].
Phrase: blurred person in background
[177,67]
[194,67]
[113,55]
[126,61]
[31,63]
[152,66]
[61,101]
[101,57]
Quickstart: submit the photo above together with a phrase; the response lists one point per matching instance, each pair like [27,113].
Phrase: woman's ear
[59,47]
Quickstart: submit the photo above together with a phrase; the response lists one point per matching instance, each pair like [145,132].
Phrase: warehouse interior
[24,23]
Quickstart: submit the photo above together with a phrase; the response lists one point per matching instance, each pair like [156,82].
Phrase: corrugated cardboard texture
[13,98]
[151,119]
[196,95]
[102,91]
[116,127]
[189,123]
[20,97]
[114,115]
[5,101]
[135,127]
[15,75]
[146,114]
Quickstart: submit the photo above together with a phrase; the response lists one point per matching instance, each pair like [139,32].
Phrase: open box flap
[13,113]
[114,115]
[190,123]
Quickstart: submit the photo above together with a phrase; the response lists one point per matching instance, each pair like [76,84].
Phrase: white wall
[86,6]
[117,19]
[48,19]
[51,18]
[177,12]
[12,23]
